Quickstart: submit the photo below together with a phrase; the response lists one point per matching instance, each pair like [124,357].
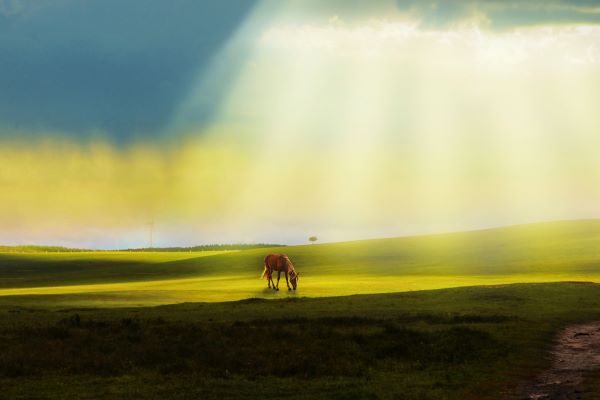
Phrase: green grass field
[550,252]
[461,343]
[365,322]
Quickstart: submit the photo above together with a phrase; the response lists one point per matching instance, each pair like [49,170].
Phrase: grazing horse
[280,263]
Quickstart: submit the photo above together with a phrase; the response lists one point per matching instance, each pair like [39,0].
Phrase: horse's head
[292,272]
[294,279]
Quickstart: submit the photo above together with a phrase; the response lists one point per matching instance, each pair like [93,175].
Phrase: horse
[280,263]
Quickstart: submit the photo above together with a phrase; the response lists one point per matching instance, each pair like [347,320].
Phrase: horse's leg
[272,281]
[278,278]
[266,273]
[287,281]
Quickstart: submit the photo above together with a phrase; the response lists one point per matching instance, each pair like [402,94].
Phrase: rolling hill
[544,252]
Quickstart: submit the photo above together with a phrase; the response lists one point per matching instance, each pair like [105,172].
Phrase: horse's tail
[266,273]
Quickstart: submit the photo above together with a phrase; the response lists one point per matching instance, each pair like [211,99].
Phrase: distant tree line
[210,247]
[204,247]
[38,249]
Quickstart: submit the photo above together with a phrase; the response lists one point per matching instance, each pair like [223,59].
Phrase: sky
[271,121]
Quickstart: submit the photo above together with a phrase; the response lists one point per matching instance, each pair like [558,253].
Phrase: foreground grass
[550,252]
[464,343]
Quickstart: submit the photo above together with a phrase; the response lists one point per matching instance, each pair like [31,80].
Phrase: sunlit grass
[552,252]
[215,289]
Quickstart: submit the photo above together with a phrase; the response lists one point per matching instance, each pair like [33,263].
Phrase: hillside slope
[528,253]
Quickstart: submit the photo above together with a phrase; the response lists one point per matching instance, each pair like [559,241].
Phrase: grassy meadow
[460,343]
[549,252]
[451,316]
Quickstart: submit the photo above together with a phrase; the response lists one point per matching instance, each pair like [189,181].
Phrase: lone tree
[313,239]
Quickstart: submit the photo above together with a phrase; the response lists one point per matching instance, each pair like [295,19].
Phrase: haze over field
[268,121]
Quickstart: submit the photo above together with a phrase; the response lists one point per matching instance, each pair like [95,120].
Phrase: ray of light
[343,129]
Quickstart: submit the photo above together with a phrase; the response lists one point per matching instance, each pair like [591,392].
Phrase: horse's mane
[289,264]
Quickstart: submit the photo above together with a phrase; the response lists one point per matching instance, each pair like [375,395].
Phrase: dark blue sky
[116,66]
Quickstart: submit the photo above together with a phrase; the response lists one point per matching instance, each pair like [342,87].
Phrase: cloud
[366,128]
[105,65]
[465,45]
[125,68]
[503,14]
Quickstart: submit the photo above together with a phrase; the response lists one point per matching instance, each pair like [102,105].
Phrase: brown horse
[280,263]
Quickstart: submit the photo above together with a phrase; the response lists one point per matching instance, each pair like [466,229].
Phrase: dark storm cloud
[118,66]
[504,14]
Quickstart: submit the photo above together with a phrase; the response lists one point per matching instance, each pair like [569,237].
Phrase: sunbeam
[344,125]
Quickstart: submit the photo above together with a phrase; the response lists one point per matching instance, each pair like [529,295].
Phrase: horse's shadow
[271,293]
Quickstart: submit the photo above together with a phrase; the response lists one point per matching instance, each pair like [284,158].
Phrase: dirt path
[577,352]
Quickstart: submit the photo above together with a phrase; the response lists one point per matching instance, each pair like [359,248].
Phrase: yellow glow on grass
[234,287]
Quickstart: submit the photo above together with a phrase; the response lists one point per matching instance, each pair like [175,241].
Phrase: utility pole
[152,233]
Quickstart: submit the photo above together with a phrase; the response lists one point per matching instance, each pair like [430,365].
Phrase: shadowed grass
[463,343]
